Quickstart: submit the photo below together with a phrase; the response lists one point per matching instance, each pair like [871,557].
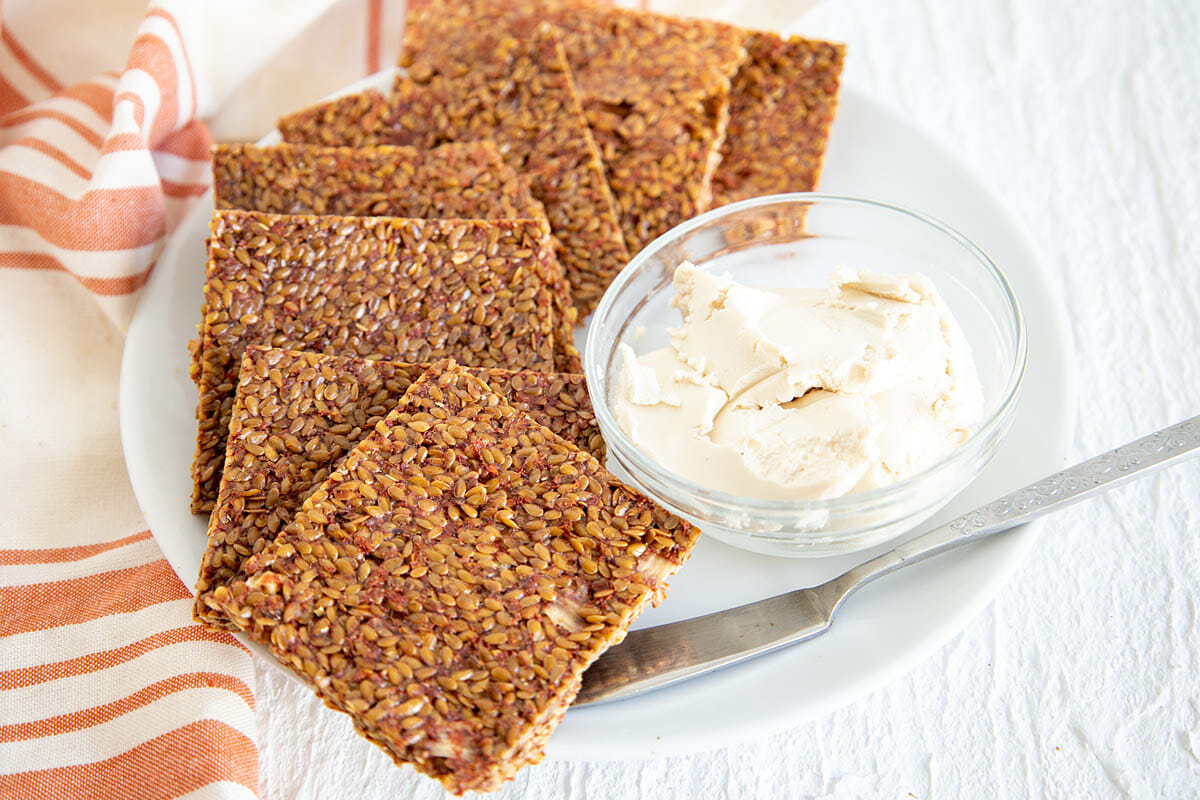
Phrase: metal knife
[652,658]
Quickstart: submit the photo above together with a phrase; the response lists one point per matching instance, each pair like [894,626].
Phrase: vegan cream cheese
[793,394]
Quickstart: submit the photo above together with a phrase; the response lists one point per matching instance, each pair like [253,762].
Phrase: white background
[1083,678]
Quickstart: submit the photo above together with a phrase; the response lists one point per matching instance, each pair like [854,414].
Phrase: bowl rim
[629,452]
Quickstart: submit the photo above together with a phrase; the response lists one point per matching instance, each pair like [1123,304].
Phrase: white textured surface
[1081,679]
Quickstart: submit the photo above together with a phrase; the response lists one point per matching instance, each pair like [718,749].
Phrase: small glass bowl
[796,240]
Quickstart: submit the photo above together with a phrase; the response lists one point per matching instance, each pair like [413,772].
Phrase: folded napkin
[107,686]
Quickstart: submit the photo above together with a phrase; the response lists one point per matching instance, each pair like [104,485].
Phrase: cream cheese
[801,393]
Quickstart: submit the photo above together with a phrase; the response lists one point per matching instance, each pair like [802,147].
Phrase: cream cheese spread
[792,394]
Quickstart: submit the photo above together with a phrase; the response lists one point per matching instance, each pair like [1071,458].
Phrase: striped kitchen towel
[107,687]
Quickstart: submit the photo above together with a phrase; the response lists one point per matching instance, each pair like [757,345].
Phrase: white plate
[881,633]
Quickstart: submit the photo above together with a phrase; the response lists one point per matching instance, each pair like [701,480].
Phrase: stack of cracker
[683,114]
[408,503]
[449,579]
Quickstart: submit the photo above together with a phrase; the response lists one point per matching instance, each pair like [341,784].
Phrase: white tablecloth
[1081,679]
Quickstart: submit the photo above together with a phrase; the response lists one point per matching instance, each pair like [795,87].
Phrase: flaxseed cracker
[520,94]
[661,159]
[374,287]
[467,180]
[363,119]
[296,414]
[783,103]
[656,94]
[450,581]
[654,88]
[614,53]
[460,180]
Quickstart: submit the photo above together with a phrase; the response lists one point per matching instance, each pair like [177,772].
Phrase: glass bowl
[796,240]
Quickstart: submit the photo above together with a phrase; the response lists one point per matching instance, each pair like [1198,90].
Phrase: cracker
[783,103]
[374,287]
[454,576]
[661,159]
[464,180]
[520,94]
[615,54]
[354,120]
[461,180]
[311,427]
[654,88]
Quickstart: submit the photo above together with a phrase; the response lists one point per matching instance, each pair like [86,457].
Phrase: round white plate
[882,632]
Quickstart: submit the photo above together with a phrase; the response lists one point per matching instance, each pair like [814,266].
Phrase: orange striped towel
[107,687]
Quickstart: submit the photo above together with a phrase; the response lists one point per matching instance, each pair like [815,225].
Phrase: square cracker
[449,582]
[311,426]
[518,93]
[783,102]
[466,180]
[353,120]
[614,53]
[460,180]
[375,287]
[661,159]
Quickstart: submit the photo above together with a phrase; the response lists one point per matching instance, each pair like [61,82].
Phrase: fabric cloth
[107,687]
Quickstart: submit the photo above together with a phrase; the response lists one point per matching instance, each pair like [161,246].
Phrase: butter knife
[652,658]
